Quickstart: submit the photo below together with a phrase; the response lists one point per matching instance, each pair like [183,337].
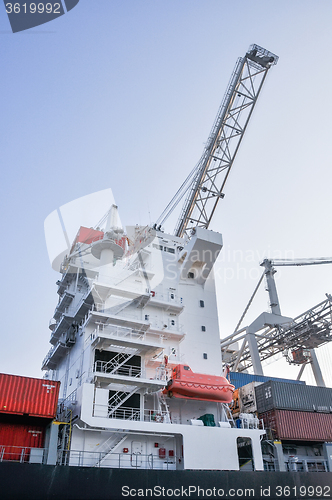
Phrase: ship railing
[100,307]
[49,355]
[157,416]
[118,332]
[117,282]
[126,370]
[307,465]
[127,413]
[22,454]
[162,326]
[72,309]
[123,413]
[117,460]
[168,297]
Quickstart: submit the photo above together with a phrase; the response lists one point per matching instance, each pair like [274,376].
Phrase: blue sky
[123,94]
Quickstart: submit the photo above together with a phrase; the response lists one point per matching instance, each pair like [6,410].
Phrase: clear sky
[123,94]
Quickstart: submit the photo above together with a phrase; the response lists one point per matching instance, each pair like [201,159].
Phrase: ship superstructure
[137,305]
[116,341]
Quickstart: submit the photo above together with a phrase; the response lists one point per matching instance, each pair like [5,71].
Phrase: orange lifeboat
[189,385]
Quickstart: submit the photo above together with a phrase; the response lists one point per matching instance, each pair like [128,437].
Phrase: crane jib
[204,186]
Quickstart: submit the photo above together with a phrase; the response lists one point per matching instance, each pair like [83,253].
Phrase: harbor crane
[296,338]
[204,186]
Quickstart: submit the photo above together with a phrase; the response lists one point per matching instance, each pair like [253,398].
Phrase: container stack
[295,412]
[244,398]
[27,407]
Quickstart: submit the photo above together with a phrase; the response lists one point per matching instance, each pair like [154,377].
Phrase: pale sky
[122,94]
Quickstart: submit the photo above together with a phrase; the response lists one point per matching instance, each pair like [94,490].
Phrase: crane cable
[249,303]
[181,192]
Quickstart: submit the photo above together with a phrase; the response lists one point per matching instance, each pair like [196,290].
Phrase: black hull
[46,482]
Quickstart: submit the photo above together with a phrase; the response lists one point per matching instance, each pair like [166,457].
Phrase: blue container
[240,379]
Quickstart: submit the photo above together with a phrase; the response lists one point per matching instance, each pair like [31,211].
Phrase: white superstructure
[129,310]
[133,306]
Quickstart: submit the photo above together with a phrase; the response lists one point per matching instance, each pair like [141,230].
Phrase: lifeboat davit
[189,385]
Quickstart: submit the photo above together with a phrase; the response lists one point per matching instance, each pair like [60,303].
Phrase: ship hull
[46,482]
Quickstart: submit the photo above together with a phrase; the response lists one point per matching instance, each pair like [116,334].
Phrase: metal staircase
[119,398]
[163,408]
[117,361]
[227,414]
[109,446]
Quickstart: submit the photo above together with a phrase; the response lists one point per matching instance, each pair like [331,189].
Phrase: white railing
[117,460]
[100,307]
[126,370]
[118,332]
[126,413]
[22,454]
[119,281]
[168,297]
[48,355]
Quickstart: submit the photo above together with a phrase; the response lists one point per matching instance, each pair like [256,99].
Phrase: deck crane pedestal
[296,338]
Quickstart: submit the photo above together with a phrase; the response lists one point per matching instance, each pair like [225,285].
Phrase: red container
[17,439]
[298,425]
[28,396]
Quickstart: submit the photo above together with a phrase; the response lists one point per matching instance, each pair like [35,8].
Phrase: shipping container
[247,397]
[17,439]
[28,396]
[284,396]
[298,425]
[239,379]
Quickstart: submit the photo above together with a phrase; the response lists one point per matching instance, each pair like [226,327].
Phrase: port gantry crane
[205,184]
[272,333]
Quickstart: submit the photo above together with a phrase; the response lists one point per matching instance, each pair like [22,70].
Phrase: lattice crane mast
[204,186]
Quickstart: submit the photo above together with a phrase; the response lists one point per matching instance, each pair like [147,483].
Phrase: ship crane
[204,186]
[272,333]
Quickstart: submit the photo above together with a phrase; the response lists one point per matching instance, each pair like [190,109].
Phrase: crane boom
[212,170]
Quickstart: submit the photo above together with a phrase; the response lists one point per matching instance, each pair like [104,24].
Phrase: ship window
[186,368]
[201,303]
[204,355]
[203,328]
[172,295]
[170,250]
[146,317]
[172,322]
[191,275]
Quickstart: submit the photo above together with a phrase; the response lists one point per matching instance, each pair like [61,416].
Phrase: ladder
[227,414]
[163,408]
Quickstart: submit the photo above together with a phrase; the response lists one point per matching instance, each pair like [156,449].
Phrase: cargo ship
[145,394]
